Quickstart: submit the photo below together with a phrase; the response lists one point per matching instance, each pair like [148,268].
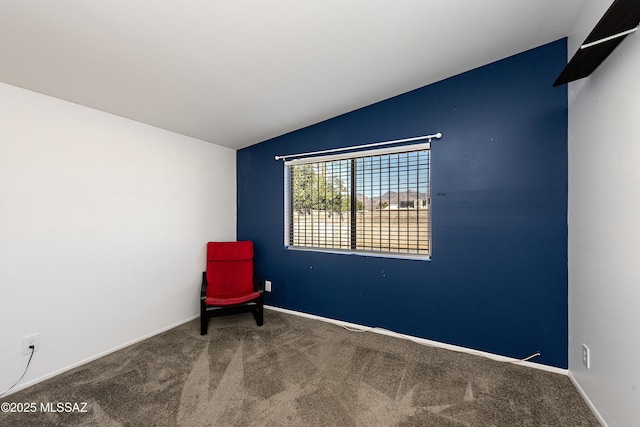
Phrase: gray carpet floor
[295,371]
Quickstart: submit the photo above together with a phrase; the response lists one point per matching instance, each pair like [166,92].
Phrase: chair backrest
[229,268]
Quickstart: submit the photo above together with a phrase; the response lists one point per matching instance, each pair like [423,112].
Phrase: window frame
[288,200]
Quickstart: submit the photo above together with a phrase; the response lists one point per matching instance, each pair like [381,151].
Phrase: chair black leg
[259,312]
[204,321]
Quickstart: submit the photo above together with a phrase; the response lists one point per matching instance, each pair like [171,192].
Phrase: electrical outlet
[267,285]
[31,340]
[586,356]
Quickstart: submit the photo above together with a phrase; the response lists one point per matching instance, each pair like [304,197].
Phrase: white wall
[604,227]
[103,226]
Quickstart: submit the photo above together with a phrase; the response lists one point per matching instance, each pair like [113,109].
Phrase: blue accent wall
[497,280]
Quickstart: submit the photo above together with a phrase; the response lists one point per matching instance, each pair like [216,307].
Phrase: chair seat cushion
[232,300]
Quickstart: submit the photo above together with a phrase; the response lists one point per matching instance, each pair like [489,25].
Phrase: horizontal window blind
[375,201]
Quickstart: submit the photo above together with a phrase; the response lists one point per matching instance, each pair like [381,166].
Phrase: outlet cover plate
[586,356]
[30,340]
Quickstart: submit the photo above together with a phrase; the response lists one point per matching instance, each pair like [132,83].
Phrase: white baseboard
[382,331]
[588,401]
[96,356]
[424,341]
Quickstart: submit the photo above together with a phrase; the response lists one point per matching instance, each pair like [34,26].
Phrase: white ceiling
[237,72]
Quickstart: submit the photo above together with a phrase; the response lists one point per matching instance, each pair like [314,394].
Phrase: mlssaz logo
[67,407]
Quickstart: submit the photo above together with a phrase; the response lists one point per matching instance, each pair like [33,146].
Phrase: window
[373,202]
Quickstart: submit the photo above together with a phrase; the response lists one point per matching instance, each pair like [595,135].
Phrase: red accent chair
[228,284]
